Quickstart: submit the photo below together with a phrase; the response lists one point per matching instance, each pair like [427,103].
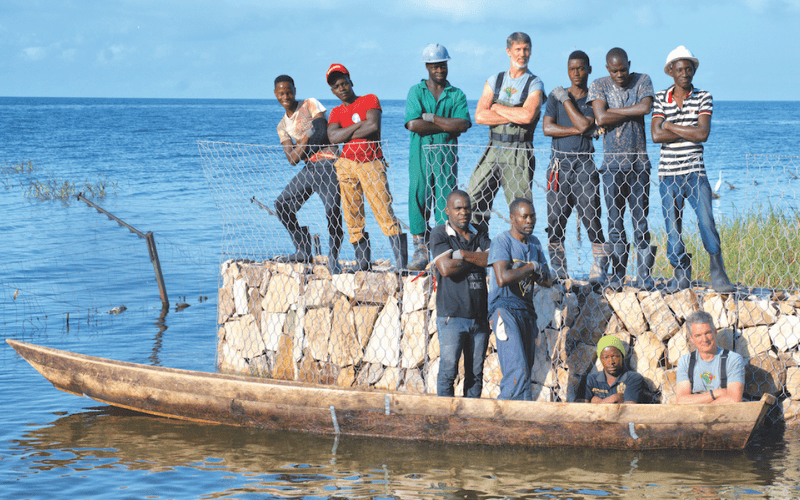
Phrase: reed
[761,248]
[42,185]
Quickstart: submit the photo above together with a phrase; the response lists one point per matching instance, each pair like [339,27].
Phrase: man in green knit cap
[615,384]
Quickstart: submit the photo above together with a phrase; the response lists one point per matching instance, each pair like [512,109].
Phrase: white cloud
[757,5]
[34,53]
[110,53]
[471,48]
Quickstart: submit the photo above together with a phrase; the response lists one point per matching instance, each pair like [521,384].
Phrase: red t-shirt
[346,115]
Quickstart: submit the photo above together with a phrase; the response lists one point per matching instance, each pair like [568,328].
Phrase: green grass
[760,248]
[42,185]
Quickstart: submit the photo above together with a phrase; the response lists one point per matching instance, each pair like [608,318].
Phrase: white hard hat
[435,53]
[680,53]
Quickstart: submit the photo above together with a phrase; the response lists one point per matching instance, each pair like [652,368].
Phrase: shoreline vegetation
[42,185]
[761,248]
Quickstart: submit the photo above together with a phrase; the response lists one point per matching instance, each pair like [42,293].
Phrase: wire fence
[304,319]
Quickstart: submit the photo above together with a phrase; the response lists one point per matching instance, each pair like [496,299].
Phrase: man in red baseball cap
[356,124]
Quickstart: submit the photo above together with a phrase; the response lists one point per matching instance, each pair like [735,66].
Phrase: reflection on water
[167,459]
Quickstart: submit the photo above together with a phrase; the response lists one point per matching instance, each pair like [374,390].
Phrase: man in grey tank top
[510,104]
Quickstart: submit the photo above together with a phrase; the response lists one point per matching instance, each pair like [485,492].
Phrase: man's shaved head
[457,193]
[617,53]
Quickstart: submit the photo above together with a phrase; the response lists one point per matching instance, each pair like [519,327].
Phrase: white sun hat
[435,53]
[680,53]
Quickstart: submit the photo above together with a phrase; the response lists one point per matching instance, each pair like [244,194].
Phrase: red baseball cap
[335,68]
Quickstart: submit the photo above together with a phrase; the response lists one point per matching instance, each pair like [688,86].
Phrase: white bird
[719,182]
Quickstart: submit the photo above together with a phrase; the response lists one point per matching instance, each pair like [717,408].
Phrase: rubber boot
[645,260]
[363,254]
[558,261]
[400,250]
[619,264]
[719,278]
[302,242]
[683,276]
[333,255]
[601,253]
[420,260]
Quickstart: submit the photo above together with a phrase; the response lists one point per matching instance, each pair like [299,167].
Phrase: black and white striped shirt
[682,157]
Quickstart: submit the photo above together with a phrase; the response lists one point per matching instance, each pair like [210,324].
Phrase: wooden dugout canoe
[275,404]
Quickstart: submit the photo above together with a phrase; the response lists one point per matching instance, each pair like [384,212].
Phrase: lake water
[64,266]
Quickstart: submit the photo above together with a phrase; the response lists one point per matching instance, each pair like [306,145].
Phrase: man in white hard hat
[436,113]
[681,123]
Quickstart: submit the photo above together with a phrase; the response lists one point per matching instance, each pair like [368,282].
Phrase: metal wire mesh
[299,321]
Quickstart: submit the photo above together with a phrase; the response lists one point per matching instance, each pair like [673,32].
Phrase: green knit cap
[610,341]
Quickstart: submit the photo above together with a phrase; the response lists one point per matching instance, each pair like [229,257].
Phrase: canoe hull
[280,405]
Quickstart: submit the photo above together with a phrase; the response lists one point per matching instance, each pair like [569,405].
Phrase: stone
[432,328]
[568,313]
[753,341]
[792,385]
[391,379]
[322,271]
[318,331]
[344,348]
[225,307]
[282,293]
[626,305]
[677,347]
[369,374]
[432,375]
[490,391]
[666,383]
[309,370]
[346,377]
[375,287]
[272,325]
[413,382]
[345,283]
[433,346]
[244,336]
[319,293]
[551,341]
[682,303]
[252,274]
[416,292]
[229,359]
[764,374]
[615,326]
[573,388]
[541,393]
[492,373]
[725,338]
[647,352]
[364,317]
[562,392]
[755,313]
[791,412]
[541,360]
[544,303]
[785,333]
[297,331]
[415,335]
[786,308]
[581,359]
[715,305]
[284,368]
[286,268]
[658,315]
[384,344]
[329,373]
[240,297]
[593,318]
[254,302]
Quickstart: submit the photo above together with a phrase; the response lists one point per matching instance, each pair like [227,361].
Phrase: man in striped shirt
[681,123]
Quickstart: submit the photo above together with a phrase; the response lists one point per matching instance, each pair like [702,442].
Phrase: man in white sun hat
[681,123]
[436,113]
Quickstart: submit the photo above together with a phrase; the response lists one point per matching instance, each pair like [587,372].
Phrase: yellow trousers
[360,179]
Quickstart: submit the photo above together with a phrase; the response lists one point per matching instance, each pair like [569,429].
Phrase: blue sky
[748,49]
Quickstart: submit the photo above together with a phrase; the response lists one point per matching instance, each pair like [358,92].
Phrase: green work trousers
[507,164]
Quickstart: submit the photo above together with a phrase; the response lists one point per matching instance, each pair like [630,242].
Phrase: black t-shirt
[464,294]
[573,143]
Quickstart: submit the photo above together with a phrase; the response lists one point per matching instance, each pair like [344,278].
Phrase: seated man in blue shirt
[710,374]
[615,384]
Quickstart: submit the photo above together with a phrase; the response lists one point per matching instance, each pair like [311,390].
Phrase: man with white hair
[510,104]
[681,123]
[710,374]
[436,113]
